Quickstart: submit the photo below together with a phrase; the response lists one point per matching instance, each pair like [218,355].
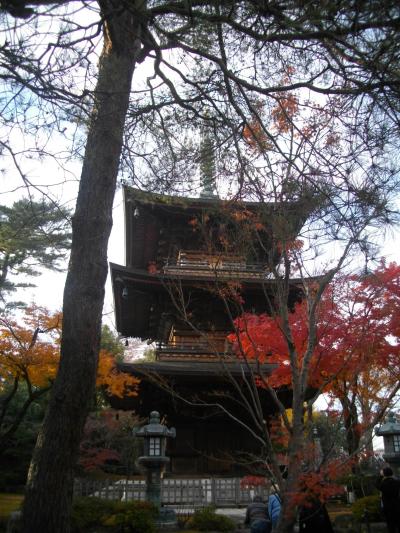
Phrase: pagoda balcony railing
[199,264]
[391,456]
[195,349]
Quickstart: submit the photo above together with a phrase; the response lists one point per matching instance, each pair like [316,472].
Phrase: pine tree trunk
[50,482]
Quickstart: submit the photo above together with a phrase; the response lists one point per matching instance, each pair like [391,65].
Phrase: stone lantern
[390,431]
[154,460]
[318,454]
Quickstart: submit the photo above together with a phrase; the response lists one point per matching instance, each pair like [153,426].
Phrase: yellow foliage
[30,352]
[115,382]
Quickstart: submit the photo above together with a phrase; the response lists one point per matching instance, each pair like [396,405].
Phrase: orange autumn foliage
[283,113]
[115,383]
[279,436]
[29,351]
[291,247]
[255,136]
[285,110]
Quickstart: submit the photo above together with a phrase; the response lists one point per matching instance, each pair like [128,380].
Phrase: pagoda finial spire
[207,166]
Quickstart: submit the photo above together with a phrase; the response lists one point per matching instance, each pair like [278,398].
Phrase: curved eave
[133,310]
[387,432]
[169,203]
[163,384]
[143,229]
[196,369]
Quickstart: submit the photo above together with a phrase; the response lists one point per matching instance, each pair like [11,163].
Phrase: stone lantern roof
[390,427]
[155,428]
[390,431]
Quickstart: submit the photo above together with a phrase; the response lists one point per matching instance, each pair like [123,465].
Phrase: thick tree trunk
[351,423]
[288,514]
[367,437]
[50,484]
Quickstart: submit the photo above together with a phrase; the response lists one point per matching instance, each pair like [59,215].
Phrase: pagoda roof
[146,213]
[201,381]
[165,203]
[198,369]
[162,240]
[138,292]
[168,202]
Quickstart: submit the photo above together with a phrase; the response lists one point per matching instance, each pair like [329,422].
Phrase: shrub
[369,504]
[114,516]
[362,485]
[207,520]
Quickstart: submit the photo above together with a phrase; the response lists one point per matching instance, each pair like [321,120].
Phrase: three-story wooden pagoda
[192,266]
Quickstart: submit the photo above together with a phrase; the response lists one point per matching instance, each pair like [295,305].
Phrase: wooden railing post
[237,490]
[213,491]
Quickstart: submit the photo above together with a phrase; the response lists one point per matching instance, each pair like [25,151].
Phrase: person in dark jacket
[314,518]
[257,516]
[390,489]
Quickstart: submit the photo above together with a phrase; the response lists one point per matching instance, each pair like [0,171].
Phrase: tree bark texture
[351,424]
[50,481]
[288,514]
